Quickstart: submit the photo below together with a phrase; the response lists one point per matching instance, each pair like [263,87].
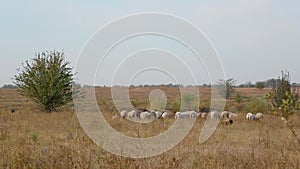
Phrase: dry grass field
[30,138]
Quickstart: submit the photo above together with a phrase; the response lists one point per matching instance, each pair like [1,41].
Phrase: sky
[254,39]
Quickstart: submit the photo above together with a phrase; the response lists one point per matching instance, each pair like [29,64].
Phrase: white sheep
[158,114]
[248,116]
[203,115]
[166,114]
[252,117]
[215,114]
[123,113]
[144,114]
[259,116]
[131,114]
[187,114]
[192,114]
[177,114]
[151,115]
[228,121]
[137,113]
[232,116]
[225,114]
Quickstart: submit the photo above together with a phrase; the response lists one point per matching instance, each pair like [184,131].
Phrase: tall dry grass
[33,139]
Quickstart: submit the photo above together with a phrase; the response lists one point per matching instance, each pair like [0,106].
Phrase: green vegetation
[257,104]
[283,98]
[226,87]
[260,85]
[189,102]
[176,106]
[238,98]
[238,105]
[47,80]
[158,103]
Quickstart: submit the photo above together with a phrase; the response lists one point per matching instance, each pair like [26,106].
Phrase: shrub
[226,87]
[257,104]
[176,106]
[189,102]
[234,108]
[47,80]
[260,85]
[158,103]
[238,98]
[283,98]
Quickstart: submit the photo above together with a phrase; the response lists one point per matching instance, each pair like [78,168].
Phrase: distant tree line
[264,84]
[260,84]
[9,86]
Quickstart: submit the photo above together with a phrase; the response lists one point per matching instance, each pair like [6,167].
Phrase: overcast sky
[255,39]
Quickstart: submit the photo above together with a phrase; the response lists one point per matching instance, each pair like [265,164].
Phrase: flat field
[31,138]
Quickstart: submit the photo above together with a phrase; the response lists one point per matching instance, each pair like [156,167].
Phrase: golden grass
[33,139]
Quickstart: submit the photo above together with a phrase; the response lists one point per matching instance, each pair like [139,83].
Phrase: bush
[176,106]
[260,85]
[189,102]
[257,104]
[283,98]
[158,103]
[226,87]
[47,80]
[234,109]
[238,98]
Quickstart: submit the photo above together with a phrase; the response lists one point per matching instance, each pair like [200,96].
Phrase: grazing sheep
[252,117]
[228,121]
[123,113]
[137,113]
[232,116]
[131,114]
[167,114]
[177,114]
[215,114]
[152,115]
[225,114]
[187,114]
[192,114]
[158,114]
[203,115]
[248,116]
[259,116]
[144,114]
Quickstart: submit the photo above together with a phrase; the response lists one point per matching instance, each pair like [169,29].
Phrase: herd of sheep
[226,116]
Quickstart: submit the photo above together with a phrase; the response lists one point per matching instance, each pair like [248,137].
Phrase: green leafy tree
[226,87]
[260,85]
[47,79]
[283,98]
